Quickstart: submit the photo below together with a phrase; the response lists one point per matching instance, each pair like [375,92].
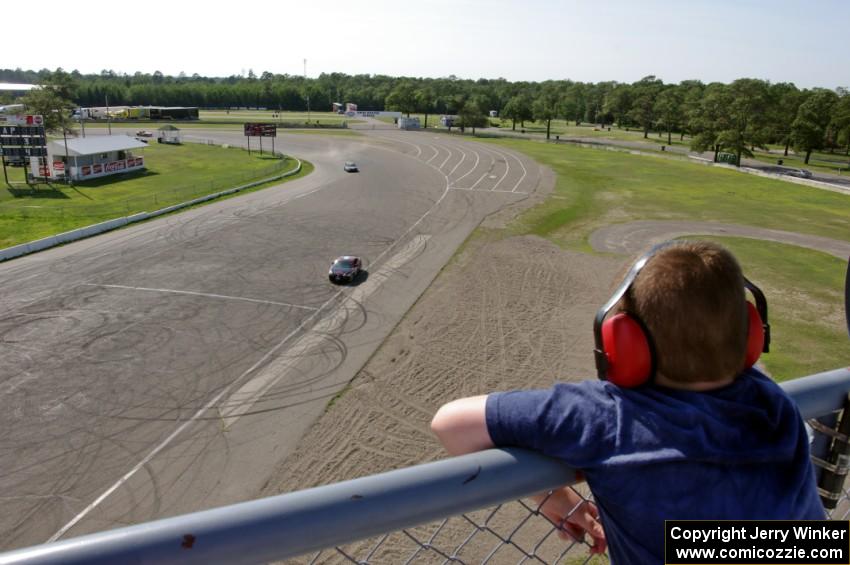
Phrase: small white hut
[169,134]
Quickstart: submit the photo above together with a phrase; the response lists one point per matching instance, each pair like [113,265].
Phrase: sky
[799,41]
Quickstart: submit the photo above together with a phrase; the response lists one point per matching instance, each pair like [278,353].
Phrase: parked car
[345,269]
[350,167]
[144,133]
[800,173]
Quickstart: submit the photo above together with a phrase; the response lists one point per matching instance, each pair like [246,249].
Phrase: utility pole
[108,123]
[306,91]
[67,159]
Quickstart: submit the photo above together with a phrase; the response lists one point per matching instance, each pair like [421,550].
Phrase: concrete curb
[95,229]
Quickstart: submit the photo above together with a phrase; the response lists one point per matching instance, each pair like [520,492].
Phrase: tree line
[735,118]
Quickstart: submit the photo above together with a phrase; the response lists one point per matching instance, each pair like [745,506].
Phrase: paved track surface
[170,366]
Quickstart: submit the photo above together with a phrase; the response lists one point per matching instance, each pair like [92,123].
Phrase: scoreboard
[261,130]
[20,142]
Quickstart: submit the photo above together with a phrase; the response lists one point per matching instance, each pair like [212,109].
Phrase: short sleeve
[573,422]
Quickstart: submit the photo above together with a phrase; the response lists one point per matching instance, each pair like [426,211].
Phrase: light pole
[82,122]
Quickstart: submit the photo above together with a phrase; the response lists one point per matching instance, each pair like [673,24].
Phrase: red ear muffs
[755,336]
[627,350]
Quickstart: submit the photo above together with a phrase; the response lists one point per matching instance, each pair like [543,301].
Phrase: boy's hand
[574,516]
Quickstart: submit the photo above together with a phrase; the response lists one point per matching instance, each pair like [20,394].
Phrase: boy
[705,439]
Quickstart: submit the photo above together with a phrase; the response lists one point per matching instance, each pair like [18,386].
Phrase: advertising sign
[114,166]
[261,130]
[25,120]
[39,169]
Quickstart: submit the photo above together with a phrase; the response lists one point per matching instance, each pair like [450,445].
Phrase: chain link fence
[515,532]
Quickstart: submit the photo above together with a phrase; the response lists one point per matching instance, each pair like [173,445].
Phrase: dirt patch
[509,313]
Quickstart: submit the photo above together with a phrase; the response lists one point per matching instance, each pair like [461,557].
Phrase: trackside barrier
[427,513]
[88,231]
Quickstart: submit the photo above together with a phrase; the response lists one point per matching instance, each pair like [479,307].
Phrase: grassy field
[174,174]
[805,288]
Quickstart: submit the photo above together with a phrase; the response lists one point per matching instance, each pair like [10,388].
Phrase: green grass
[174,174]
[596,188]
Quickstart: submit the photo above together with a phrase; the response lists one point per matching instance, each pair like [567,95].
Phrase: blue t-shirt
[653,453]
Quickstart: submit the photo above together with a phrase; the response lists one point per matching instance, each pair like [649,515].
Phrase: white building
[16,88]
[96,156]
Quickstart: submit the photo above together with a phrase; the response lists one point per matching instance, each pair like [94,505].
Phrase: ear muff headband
[604,361]
[761,310]
[623,348]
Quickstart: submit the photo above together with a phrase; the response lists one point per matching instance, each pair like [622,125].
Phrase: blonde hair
[690,297]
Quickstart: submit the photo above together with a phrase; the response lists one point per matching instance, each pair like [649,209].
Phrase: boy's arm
[461,425]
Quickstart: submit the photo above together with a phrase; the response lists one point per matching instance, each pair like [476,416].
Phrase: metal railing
[464,509]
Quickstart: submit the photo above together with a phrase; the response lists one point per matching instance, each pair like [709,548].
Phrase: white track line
[492,162]
[524,171]
[449,156]
[127,476]
[474,166]
[462,159]
[436,151]
[504,176]
[205,294]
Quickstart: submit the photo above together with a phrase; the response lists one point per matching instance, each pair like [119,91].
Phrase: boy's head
[690,297]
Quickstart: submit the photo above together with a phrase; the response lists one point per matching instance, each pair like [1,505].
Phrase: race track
[170,366]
